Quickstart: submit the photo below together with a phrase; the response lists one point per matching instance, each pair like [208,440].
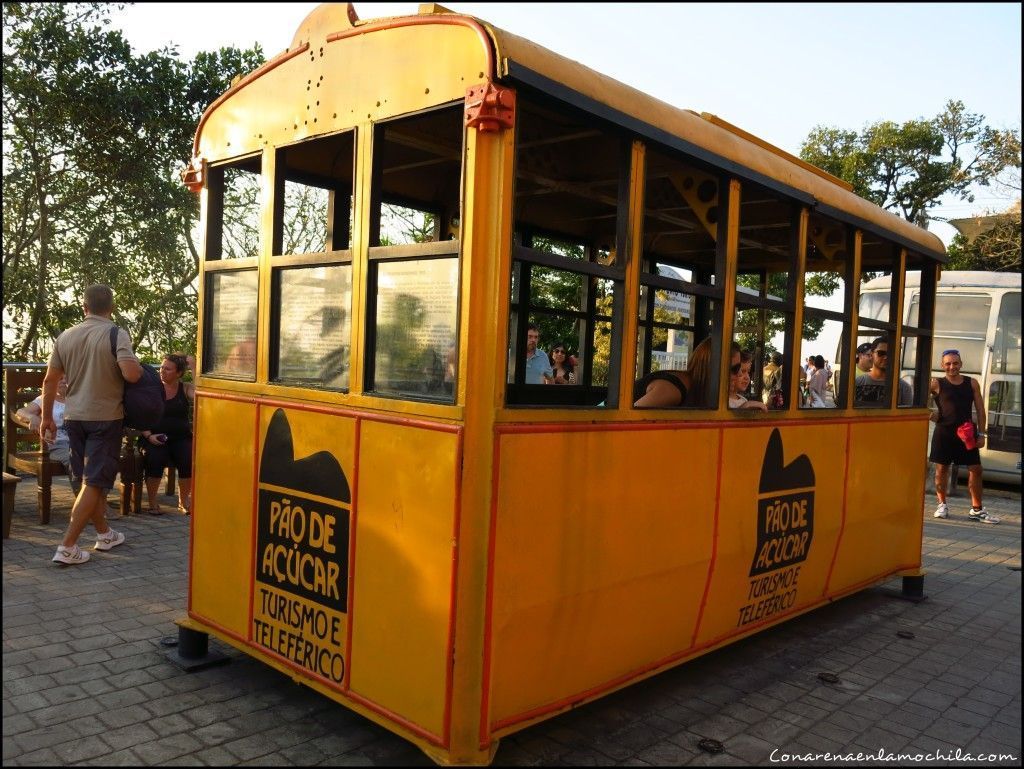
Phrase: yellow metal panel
[883,510]
[779,518]
[221,566]
[301,576]
[591,580]
[332,86]
[404,556]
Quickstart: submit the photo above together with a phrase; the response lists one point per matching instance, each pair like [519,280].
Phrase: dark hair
[777,358]
[533,327]
[819,362]
[179,361]
[567,365]
[878,340]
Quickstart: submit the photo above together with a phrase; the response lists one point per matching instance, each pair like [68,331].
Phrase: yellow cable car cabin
[390,503]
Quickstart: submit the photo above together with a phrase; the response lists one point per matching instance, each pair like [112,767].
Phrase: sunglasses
[951,352]
[882,353]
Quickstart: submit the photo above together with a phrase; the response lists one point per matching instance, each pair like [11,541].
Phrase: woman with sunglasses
[954,396]
[561,367]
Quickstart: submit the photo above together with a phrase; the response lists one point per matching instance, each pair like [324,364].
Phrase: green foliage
[997,249]
[815,284]
[93,138]
[906,168]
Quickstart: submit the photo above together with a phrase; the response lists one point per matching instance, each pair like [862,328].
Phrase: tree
[93,139]
[996,249]
[906,168]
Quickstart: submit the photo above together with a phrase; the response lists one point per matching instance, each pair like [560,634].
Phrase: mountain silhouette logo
[319,474]
[303,520]
[785,509]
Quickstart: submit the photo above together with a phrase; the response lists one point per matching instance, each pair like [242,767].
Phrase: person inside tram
[871,388]
[671,388]
[739,381]
[562,370]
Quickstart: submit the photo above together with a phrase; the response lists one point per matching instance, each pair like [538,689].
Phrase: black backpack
[143,400]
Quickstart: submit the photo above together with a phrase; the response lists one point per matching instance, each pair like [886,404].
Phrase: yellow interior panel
[404,556]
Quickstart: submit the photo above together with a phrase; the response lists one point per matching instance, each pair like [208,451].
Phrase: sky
[776,70]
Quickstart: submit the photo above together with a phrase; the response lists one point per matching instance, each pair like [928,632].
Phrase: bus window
[825,325]
[765,292]
[677,291]
[1004,392]
[961,320]
[414,260]
[571,188]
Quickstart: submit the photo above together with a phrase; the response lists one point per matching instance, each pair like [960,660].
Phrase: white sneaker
[982,516]
[942,511]
[109,540]
[70,555]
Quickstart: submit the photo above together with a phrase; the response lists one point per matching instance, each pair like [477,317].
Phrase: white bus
[979,314]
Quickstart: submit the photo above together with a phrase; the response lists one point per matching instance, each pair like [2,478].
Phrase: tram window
[765,291]
[676,308]
[825,325]
[570,197]
[311,311]
[315,200]
[417,169]
[413,290]
[414,328]
[230,349]
[233,229]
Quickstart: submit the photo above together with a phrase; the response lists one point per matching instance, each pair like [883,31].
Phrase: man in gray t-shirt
[870,389]
[93,415]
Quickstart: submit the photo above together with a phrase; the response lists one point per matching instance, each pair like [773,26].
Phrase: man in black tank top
[954,396]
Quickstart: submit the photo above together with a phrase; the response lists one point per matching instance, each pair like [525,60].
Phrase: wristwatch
[982,435]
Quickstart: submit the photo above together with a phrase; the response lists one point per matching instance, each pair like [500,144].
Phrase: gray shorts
[95,450]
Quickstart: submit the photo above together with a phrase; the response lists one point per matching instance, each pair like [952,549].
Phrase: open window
[311,266]
[413,292]
[766,275]
[678,289]
[570,214]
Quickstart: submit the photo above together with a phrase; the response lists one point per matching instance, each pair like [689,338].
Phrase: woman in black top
[170,442]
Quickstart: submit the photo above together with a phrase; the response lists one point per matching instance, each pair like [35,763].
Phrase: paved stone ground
[85,680]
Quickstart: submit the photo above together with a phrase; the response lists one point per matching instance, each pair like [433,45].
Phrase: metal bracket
[490,107]
[193,175]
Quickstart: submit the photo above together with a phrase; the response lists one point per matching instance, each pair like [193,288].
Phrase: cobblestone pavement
[85,680]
